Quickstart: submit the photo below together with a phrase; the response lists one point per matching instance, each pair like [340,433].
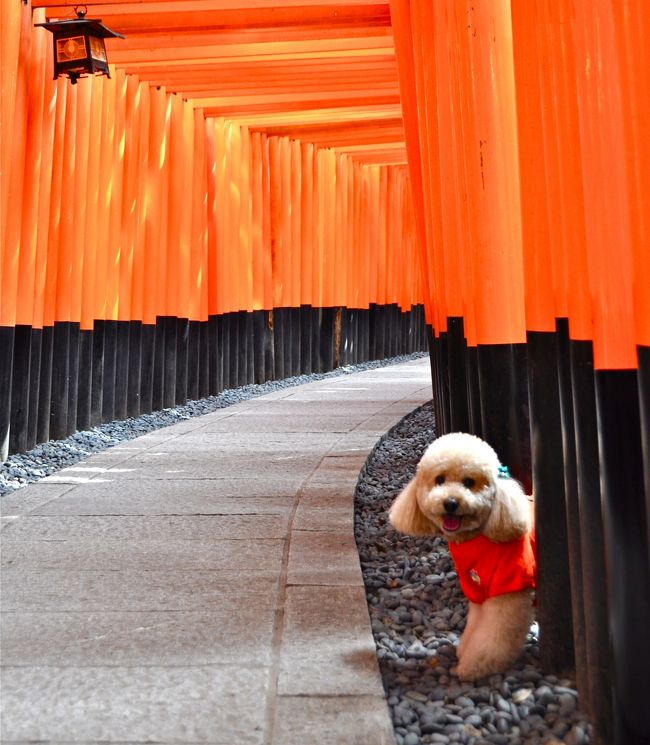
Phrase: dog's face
[457,492]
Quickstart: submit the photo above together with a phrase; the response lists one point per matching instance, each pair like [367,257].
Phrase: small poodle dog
[461,491]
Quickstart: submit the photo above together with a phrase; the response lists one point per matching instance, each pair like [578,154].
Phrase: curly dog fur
[460,491]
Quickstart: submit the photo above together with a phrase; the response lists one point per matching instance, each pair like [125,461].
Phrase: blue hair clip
[504,473]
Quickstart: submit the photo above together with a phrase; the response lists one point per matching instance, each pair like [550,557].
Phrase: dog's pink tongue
[451,523]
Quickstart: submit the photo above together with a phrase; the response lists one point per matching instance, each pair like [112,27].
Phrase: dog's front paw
[473,669]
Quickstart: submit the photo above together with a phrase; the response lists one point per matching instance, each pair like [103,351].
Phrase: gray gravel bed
[418,611]
[26,468]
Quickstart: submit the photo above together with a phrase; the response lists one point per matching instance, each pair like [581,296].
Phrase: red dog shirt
[486,568]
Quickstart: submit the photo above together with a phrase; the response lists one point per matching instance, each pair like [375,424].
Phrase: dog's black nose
[451,505]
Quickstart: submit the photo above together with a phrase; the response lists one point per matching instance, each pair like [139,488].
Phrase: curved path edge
[202,583]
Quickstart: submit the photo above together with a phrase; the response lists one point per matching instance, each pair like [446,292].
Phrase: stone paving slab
[323,558]
[201,584]
[106,638]
[326,648]
[342,720]
[66,590]
[208,703]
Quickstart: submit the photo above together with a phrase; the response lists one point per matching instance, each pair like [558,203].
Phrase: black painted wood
[250,347]
[242,348]
[473,392]
[326,345]
[315,320]
[204,359]
[286,341]
[305,338]
[34,386]
[278,344]
[135,369]
[269,352]
[457,375]
[170,358]
[7,356]
[110,370]
[626,550]
[122,331]
[60,381]
[79,379]
[193,360]
[214,358]
[296,341]
[158,383]
[45,385]
[85,380]
[356,352]
[337,337]
[553,581]
[232,327]
[147,351]
[97,373]
[504,406]
[594,571]
[19,420]
[397,332]
[224,351]
[442,357]
[73,373]
[644,410]
[182,349]
[572,505]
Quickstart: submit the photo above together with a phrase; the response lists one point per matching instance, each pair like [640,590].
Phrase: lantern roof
[93,25]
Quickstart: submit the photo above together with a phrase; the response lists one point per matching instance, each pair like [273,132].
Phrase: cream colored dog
[461,491]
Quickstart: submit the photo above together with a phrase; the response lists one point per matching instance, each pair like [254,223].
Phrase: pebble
[413,592]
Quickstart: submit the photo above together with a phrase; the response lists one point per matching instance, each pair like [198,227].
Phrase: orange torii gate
[235,204]
[528,124]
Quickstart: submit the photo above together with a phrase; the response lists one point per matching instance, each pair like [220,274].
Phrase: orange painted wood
[295,215]
[401,22]
[606,186]
[141,153]
[285,249]
[212,211]
[257,221]
[84,261]
[198,299]
[68,252]
[631,26]
[28,279]
[14,82]
[500,315]
[307,222]
[43,268]
[116,91]
[535,141]
[267,242]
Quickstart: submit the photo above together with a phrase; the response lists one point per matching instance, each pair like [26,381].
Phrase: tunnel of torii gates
[268,187]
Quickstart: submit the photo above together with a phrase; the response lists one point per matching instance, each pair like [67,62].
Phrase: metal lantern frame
[78,46]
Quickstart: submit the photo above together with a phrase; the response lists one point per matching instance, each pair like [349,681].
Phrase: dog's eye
[469,483]
[440,479]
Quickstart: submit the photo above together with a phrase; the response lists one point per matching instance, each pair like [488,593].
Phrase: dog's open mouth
[451,523]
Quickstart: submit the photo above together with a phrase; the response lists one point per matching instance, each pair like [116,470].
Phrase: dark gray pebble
[413,591]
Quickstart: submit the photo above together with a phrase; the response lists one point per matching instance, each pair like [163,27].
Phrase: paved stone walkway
[201,584]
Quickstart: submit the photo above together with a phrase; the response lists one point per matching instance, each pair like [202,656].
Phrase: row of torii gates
[268,187]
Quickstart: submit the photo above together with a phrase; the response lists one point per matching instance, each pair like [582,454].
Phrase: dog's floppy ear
[405,514]
[511,514]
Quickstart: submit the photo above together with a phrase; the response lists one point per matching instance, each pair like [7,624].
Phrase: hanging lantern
[79,46]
